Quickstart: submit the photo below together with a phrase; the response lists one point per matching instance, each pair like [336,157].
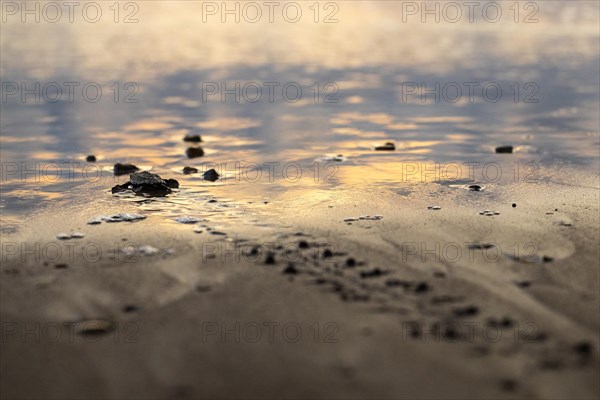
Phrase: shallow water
[365,65]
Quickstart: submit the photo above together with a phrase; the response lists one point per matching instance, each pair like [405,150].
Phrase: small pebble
[389,146]
[422,287]
[90,158]
[583,348]
[504,149]
[124,169]
[290,269]
[187,220]
[194,152]
[372,273]
[270,259]
[466,311]
[190,170]
[130,308]
[192,138]
[211,175]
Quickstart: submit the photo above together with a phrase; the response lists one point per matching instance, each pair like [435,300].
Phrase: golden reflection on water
[368,53]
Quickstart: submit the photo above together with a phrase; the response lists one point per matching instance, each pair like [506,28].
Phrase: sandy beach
[417,313]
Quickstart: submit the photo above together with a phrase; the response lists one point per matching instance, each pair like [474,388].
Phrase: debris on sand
[93,327]
[90,158]
[190,170]
[372,273]
[434,208]
[389,146]
[146,250]
[290,269]
[376,217]
[211,175]
[466,311]
[145,183]
[480,246]
[475,188]
[270,259]
[188,220]
[194,152]
[504,149]
[122,217]
[422,287]
[338,158]
[124,169]
[67,236]
[192,138]
[489,213]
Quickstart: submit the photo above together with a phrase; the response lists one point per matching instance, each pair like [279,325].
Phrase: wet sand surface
[460,261]
[457,305]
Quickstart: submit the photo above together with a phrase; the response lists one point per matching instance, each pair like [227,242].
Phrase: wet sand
[366,280]
[433,303]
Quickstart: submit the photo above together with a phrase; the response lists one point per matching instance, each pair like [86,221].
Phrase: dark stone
[172,183]
[327,253]
[389,146]
[61,266]
[504,149]
[124,169]
[583,348]
[130,308]
[475,188]
[145,178]
[270,259]
[121,188]
[193,152]
[303,244]
[351,262]
[451,332]
[375,272]
[483,246]
[145,183]
[397,283]
[190,170]
[192,138]
[505,322]
[290,269]
[211,175]
[90,158]
[422,287]
[523,284]
[514,205]
[466,311]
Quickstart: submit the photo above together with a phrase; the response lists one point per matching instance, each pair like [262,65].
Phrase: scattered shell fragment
[187,220]
[121,217]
